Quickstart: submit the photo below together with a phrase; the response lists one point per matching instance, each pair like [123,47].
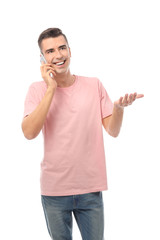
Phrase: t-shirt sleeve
[105,102]
[31,101]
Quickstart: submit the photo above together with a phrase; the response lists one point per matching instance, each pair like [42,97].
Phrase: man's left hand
[127,100]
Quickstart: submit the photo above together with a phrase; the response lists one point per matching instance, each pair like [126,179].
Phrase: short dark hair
[51,33]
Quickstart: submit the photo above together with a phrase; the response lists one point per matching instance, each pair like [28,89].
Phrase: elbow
[28,134]
[114,134]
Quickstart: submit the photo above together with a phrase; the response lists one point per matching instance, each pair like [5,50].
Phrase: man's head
[51,33]
[54,46]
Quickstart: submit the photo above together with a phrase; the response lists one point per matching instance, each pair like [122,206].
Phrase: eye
[63,47]
[50,51]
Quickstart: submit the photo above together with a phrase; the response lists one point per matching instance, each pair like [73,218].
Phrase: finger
[120,101]
[43,68]
[130,99]
[49,65]
[134,96]
[125,100]
[140,95]
[46,68]
[51,71]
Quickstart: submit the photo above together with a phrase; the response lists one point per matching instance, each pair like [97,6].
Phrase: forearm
[32,124]
[115,122]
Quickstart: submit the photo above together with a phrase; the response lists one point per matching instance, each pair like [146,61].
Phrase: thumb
[140,96]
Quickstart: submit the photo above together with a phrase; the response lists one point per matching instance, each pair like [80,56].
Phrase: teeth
[59,63]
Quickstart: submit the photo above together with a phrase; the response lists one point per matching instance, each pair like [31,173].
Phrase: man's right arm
[33,123]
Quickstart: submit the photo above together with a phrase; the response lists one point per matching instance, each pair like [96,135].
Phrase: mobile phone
[42,59]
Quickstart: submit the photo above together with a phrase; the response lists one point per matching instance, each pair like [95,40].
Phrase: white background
[118,42]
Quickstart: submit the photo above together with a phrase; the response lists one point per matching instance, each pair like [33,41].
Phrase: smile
[60,63]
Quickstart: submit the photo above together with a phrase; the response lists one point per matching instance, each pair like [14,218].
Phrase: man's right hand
[46,70]
[33,123]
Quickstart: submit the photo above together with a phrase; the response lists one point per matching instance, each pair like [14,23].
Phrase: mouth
[60,64]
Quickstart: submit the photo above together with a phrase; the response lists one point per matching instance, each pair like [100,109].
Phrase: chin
[62,71]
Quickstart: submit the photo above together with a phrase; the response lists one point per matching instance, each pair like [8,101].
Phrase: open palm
[127,99]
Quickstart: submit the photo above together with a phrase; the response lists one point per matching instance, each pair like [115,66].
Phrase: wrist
[118,107]
[51,89]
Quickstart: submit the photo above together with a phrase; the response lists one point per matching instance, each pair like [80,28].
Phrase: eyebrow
[53,48]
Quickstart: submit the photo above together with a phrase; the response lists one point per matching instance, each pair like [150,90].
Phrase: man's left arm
[113,123]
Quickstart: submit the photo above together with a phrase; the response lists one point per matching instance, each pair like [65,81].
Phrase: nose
[58,54]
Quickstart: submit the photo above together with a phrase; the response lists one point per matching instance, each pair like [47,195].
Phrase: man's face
[56,50]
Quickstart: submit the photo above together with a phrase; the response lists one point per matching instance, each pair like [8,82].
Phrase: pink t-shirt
[74,157]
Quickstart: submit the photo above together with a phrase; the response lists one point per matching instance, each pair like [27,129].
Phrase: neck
[64,79]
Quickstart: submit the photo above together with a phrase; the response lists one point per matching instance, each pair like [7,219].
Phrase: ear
[70,51]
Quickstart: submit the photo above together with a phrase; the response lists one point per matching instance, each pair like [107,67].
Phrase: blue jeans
[88,212]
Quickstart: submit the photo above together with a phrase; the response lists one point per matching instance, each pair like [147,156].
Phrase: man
[70,111]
